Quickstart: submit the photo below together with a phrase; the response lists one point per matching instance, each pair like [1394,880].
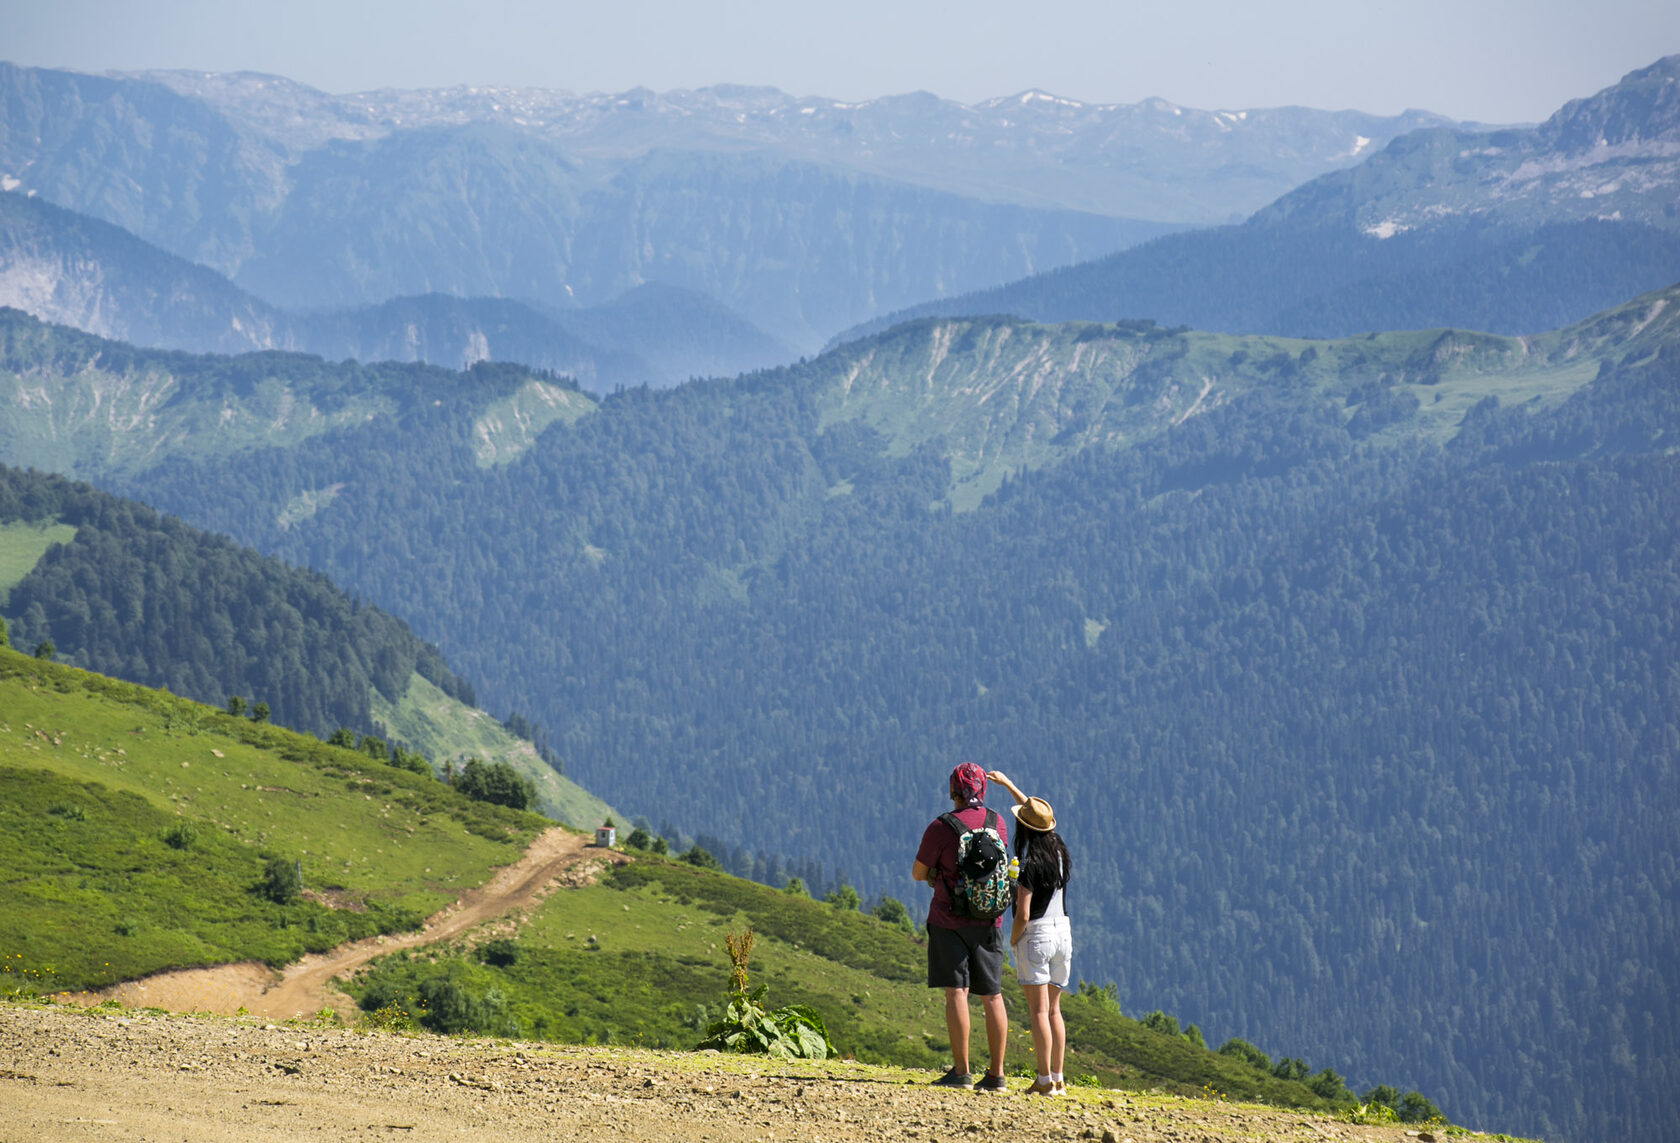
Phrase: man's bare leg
[997,1028]
[957,1026]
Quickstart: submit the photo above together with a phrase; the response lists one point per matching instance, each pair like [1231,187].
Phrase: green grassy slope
[639,958]
[442,727]
[96,776]
[22,544]
[95,772]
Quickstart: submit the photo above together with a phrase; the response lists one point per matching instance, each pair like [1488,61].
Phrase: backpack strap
[955,823]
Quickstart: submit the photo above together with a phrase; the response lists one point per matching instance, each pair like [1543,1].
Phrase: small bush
[702,859]
[1159,1021]
[1370,1113]
[1248,1054]
[181,835]
[390,1018]
[280,882]
[500,952]
[1415,1107]
[1290,1068]
[69,811]
[892,911]
[1328,1085]
[845,899]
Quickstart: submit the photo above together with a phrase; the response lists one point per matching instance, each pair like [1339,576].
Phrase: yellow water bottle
[1014,868]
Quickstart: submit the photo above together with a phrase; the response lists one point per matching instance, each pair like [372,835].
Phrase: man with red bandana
[964,956]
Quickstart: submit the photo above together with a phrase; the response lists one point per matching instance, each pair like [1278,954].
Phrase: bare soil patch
[106,1073]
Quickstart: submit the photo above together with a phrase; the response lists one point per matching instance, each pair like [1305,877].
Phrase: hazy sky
[1491,60]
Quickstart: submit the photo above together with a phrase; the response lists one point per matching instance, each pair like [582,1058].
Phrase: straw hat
[1035,814]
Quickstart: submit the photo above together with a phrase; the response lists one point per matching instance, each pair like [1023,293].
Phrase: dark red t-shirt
[938,851]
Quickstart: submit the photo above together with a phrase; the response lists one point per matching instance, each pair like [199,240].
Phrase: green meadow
[638,958]
[138,825]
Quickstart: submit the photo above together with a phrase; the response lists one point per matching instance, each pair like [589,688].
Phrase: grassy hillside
[638,958]
[443,728]
[138,824]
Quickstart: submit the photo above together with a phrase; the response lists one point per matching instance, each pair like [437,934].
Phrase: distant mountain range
[805,216]
[1511,230]
[67,268]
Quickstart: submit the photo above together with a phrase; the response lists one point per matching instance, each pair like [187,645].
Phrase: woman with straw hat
[1041,936]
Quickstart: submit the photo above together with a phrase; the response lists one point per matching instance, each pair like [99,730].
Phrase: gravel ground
[113,1073]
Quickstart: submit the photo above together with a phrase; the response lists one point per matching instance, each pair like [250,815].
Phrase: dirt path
[302,988]
[78,1074]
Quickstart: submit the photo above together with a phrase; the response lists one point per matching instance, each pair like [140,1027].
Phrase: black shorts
[969,957]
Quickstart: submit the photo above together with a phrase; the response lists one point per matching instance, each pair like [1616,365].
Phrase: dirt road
[303,988]
[68,1073]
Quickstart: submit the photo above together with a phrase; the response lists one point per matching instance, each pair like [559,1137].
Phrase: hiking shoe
[1043,1087]
[992,1083]
[1058,1087]
[954,1078]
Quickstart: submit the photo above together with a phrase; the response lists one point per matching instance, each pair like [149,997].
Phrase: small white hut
[606,835]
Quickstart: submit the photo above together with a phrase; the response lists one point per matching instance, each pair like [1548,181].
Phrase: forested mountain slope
[1306,636]
[115,588]
[1509,231]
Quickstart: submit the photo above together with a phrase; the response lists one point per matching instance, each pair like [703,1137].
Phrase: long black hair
[1045,865]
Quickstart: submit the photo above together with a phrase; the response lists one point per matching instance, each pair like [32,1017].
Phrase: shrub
[181,835]
[500,952]
[69,811]
[281,882]
[1248,1054]
[449,1007]
[1416,1108]
[1328,1085]
[795,888]
[845,899]
[1159,1021]
[1370,1112]
[639,839]
[702,859]
[1290,1068]
[1104,996]
[892,911]
[498,783]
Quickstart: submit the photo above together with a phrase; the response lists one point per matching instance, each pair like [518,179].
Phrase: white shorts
[1045,954]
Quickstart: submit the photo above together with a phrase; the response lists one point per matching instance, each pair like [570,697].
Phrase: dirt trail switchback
[302,988]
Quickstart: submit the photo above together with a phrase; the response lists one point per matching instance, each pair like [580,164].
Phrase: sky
[1493,61]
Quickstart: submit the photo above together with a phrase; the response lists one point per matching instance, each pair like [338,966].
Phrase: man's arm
[920,871]
[1001,779]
